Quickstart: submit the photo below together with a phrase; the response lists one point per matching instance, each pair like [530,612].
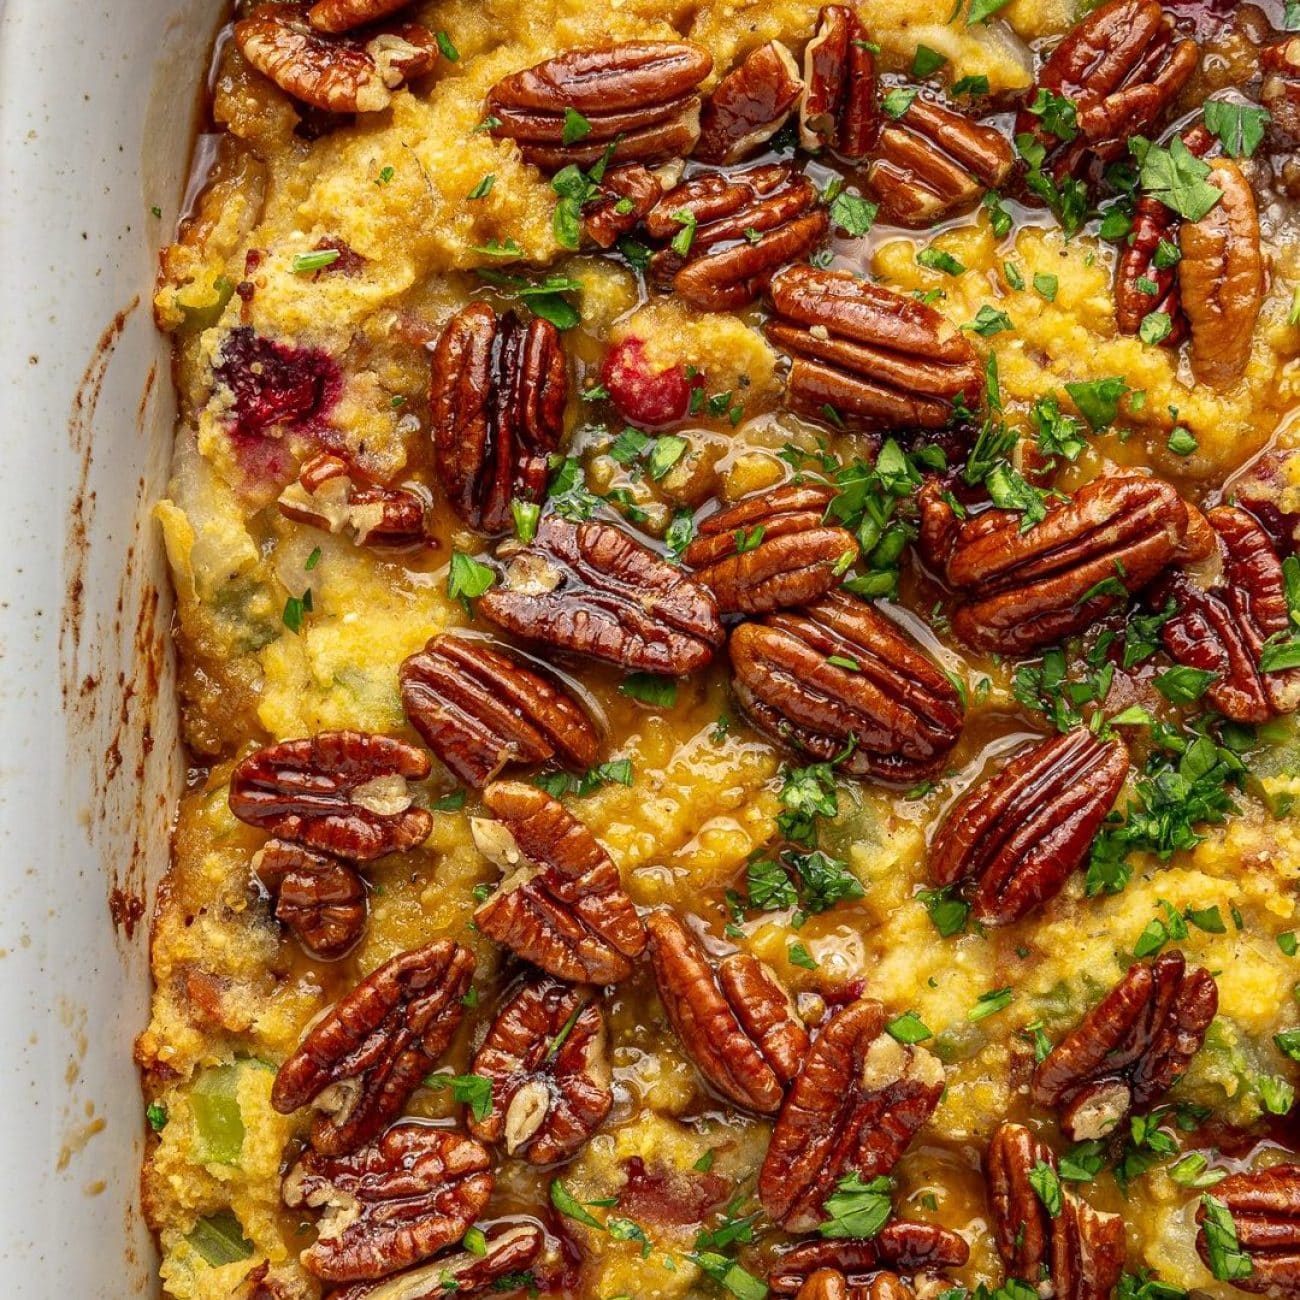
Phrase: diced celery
[217,1122]
[219,1239]
[200,318]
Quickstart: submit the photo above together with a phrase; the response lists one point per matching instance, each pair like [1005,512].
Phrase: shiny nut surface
[481,707]
[625,195]
[885,705]
[319,898]
[343,15]
[839,111]
[329,494]
[563,906]
[1265,1209]
[906,1247]
[361,1061]
[749,105]
[341,792]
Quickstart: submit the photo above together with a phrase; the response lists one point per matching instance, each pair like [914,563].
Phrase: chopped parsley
[468,578]
[1175,176]
[647,688]
[449,51]
[473,1090]
[856,1209]
[1239,127]
[926,62]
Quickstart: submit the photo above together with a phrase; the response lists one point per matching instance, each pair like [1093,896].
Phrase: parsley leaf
[1177,177]
[856,1209]
[1240,127]
[468,578]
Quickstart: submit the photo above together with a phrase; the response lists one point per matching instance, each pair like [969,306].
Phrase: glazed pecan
[343,792]
[1130,1048]
[360,1061]
[546,1057]
[737,1025]
[340,74]
[749,105]
[1122,66]
[625,195]
[839,110]
[591,589]
[393,1203]
[771,550]
[496,403]
[329,494]
[825,1284]
[479,708]
[858,1101]
[1018,836]
[932,161]
[563,907]
[1221,277]
[1265,1209]
[640,97]
[319,898]
[1222,620]
[1078,1252]
[1030,588]
[509,1249]
[342,15]
[903,1246]
[872,357]
[741,229]
[883,705]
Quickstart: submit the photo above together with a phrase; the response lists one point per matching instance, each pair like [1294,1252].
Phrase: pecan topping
[496,404]
[319,898]
[641,96]
[510,1249]
[1222,278]
[771,550]
[1265,1209]
[1079,1252]
[343,792]
[342,15]
[883,700]
[737,1025]
[479,708]
[563,907]
[391,1204]
[1123,67]
[903,1246]
[749,105]
[1221,622]
[825,1284]
[546,1057]
[340,74]
[333,496]
[361,1060]
[875,358]
[625,195]
[933,161]
[858,1101]
[592,589]
[1130,1048]
[839,110]
[741,229]
[1030,588]
[1018,836]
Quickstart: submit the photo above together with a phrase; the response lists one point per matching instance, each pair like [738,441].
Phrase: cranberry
[274,384]
[642,396]
[670,1197]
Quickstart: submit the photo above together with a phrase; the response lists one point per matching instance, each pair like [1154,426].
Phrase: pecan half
[361,1061]
[342,15]
[883,700]
[479,708]
[1018,836]
[640,96]
[903,1246]
[1222,619]
[497,394]
[771,550]
[737,1025]
[563,907]
[1030,588]
[624,196]
[839,110]
[933,161]
[1079,1252]
[1221,276]
[343,792]
[858,1101]
[872,357]
[333,496]
[1130,1048]
[749,105]
[319,898]
[741,229]
[825,1284]
[591,589]
[546,1057]
[1123,66]
[509,1250]
[1265,1209]
[391,1204]
[340,74]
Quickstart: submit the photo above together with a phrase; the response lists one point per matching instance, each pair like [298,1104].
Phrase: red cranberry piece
[275,384]
[642,396]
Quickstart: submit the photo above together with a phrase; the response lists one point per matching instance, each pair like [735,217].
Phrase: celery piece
[217,1122]
[220,1239]
[198,319]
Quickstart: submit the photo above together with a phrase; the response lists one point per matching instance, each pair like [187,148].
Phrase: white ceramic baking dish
[97,102]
